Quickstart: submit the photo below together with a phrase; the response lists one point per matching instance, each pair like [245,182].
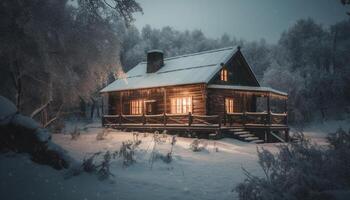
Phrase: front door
[150,107]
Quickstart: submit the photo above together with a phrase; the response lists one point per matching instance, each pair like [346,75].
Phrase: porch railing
[228,119]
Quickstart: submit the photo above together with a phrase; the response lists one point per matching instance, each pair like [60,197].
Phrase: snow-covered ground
[191,175]
[318,131]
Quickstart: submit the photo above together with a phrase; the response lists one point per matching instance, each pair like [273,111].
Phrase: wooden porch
[248,126]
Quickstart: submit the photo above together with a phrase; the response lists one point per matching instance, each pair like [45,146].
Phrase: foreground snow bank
[209,174]
[22,134]
[318,129]
[7,110]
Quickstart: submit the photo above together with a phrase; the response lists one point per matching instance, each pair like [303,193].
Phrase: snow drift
[22,134]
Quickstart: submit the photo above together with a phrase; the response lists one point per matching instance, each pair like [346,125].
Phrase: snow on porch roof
[247,88]
[185,69]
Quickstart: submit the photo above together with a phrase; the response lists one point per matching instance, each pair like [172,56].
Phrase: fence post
[143,119]
[268,109]
[220,120]
[225,118]
[286,132]
[244,118]
[286,111]
[103,121]
[189,119]
[286,119]
[164,119]
[120,119]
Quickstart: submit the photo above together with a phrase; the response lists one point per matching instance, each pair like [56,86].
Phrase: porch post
[102,104]
[286,110]
[164,99]
[268,109]
[243,107]
[121,103]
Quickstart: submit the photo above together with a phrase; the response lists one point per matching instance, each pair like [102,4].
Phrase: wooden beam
[121,103]
[286,110]
[190,119]
[268,109]
[164,99]
[103,99]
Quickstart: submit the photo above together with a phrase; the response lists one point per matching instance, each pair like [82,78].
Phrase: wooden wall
[216,101]
[239,72]
[196,91]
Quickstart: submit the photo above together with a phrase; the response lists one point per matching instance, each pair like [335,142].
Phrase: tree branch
[38,110]
[54,118]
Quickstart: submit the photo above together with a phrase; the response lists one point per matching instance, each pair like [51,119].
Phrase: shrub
[155,155]
[165,134]
[301,170]
[88,164]
[100,166]
[197,145]
[216,148]
[104,168]
[75,133]
[168,157]
[127,152]
[136,139]
[102,135]
[145,134]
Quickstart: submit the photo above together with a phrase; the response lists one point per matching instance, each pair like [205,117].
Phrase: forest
[64,53]
[56,56]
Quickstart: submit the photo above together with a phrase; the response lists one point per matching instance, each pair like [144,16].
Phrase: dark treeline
[58,52]
[310,62]
[64,53]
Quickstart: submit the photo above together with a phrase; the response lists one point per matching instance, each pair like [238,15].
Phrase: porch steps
[236,129]
[244,135]
[241,132]
[257,141]
[252,138]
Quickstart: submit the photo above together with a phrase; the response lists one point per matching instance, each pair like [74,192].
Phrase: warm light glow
[224,75]
[120,74]
[136,107]
[181,105]
[229,105]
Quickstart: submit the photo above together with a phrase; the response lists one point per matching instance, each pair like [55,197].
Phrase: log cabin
[211,93]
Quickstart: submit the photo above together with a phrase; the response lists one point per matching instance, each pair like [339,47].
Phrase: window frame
[224,74]
[136,107]
[181,105]
[229,105]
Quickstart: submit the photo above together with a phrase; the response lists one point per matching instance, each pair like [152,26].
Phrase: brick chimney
[155,60]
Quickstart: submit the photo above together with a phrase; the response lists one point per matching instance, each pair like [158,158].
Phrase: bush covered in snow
[197,145]
[22,134]
[102,134]
[301,171]
[98,163]
[127,152]
[75,133]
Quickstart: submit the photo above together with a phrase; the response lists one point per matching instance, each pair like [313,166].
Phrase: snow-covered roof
[186,69]
[247,88]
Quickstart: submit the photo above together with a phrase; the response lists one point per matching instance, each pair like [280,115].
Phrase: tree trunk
[17,82]
[82,107]
[93,105]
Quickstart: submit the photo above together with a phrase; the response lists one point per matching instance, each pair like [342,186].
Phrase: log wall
[243,102]
[119,102]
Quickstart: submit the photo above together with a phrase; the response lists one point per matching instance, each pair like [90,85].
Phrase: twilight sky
[246,19]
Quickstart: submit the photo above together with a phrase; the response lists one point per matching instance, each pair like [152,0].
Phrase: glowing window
[181,105]
[136,107]
[229,106]
[224,75]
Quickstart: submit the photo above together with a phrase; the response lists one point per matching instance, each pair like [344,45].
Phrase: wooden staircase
[244,135]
